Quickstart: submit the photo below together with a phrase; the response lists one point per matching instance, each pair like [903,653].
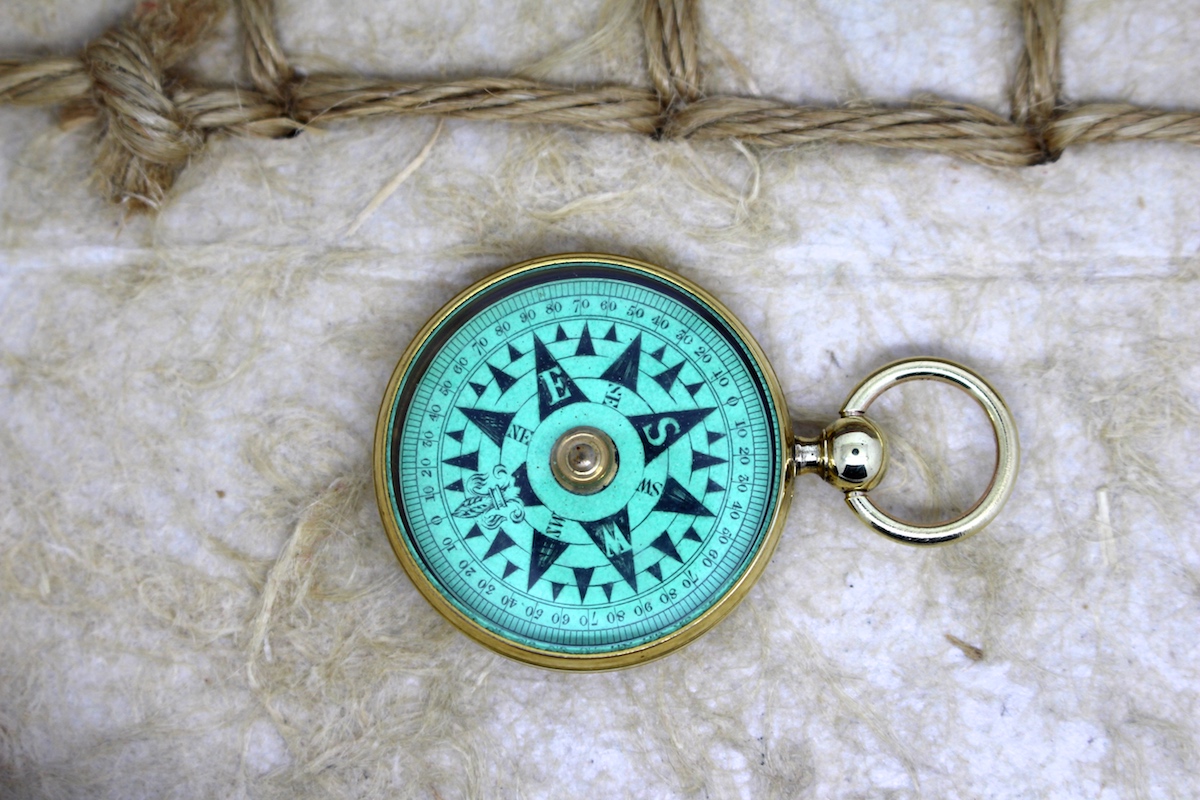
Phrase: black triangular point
[659,431]
[513,353]
[677,500]
[501,543]
[545,552]
[702,460]
[474,532]
[693,387]
[555,589]
[625,369]
[494,424]
[664,545]
[503,379]
[455,435]
[612,535]
[585,343]
[555,388]
[466,461]
[714,437]
[611,336]
[509,569]
[560,335]
[583,577]
[666,378]
[525,493]
[656,571]
[478,387]
[713,486]
[455,486]
[659,353]
[691,535]
[607,587]
[623,563]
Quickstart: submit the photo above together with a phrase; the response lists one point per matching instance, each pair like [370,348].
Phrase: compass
[585,461]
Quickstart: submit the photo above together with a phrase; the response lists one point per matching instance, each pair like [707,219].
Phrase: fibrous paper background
[198,599]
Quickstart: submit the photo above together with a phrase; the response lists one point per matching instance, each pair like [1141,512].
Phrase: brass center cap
[584,460]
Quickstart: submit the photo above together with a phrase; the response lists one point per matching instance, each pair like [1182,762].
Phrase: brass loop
[1007,450]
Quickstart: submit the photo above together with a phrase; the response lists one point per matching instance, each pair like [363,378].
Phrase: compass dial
[581,462]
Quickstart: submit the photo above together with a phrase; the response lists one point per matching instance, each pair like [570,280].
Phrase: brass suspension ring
[1007,450]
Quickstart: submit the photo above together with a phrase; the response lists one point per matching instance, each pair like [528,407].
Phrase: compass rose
[588,455]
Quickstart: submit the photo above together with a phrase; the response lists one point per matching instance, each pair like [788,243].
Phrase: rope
[966,131]
[1037,84]
[152,122]
[672,50]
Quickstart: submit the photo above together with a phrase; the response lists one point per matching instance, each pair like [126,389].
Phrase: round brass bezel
[586,661]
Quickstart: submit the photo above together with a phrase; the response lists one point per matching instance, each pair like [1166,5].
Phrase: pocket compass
[584,461]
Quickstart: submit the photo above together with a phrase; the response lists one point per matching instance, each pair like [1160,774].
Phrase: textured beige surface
[197,596]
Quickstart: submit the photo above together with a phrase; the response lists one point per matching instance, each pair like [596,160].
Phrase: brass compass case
[417,568]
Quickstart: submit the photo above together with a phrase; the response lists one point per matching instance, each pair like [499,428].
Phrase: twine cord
[153,122]
[672,55]
[1038,81]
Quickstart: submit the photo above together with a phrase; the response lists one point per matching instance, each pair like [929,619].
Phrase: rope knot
[146,139]
[671,32]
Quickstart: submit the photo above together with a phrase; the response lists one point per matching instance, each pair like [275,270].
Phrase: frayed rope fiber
[153,121]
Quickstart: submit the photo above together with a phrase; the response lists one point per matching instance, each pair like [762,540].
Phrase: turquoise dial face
[583,458]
